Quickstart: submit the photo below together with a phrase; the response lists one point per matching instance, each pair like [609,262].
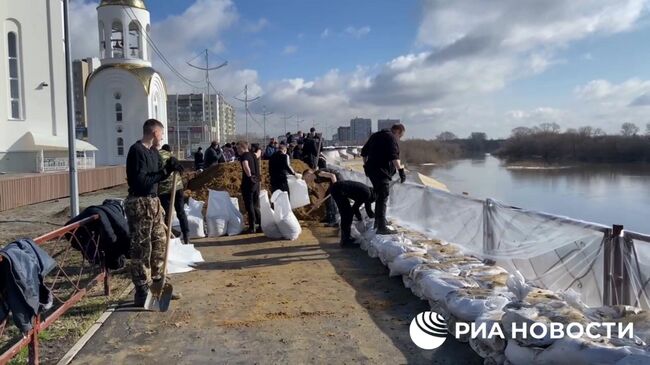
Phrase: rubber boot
[140,295]
[185,238]
[384,230]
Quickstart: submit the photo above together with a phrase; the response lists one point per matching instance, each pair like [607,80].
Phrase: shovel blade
[159,303]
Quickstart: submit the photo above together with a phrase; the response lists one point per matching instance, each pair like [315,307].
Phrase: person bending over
[329,177]
[342,193]
[279,168]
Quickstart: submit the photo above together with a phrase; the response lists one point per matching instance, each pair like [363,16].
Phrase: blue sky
[438,65]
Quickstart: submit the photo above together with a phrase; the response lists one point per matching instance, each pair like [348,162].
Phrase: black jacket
[113,231]
[143,170]
[380,150]
[279,168]
[22,270]
[213,155]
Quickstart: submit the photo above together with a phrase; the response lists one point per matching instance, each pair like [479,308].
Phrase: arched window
[117,40]
[102,40]
[15,89]
[120,146]
[118,112]
[147,34]
[135,45]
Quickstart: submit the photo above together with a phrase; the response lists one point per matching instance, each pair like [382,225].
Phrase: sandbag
[403,263]
[572,351]
[194,208]
[267,218]
[195,227]
[467,304]
[222,216]
[284,218]
[298,191]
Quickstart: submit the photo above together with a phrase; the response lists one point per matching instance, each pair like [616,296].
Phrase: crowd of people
[150,166]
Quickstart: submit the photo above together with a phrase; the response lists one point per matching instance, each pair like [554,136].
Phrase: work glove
[173,165]
[402,175]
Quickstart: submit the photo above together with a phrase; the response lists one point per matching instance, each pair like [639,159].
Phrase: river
[606,194]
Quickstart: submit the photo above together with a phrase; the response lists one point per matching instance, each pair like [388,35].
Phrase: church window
[15,92]
[118,112]
[120,146]
[102,40]
[135,45]
[117,96]
[117,40]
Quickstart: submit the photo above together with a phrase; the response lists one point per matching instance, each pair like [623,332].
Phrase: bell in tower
[124,27]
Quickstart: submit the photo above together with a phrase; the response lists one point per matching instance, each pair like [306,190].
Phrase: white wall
[101,113]
[39,25]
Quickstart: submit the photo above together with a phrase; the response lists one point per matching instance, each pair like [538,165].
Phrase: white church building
[125,90]
[33,114]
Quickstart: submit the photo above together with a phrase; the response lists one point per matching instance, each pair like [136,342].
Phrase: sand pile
[227,177]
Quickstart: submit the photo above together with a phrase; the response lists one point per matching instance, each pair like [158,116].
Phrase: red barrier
[69,282]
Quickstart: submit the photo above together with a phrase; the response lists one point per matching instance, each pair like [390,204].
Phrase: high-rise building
[81,69]
[343,135]
[193,120]
[360,130]
[227,123]
[386,123]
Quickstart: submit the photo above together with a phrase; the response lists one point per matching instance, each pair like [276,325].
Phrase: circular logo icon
[428,330]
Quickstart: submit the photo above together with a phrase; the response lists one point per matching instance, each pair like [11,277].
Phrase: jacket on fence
[22,270]
[113,231]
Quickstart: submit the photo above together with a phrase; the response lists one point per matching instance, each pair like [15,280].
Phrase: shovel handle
[319,203]
[168,220]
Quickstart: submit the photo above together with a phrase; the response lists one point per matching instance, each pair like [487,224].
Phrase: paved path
[269,302]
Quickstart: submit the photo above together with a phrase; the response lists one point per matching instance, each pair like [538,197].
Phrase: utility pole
[178,132]
[207,70]
[264,114]
[298,123]
[246,100]
[72,138]
[285,122]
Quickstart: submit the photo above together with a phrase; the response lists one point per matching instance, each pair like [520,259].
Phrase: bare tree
[599,132]
[629,129]
[586,131]
[549,127]
[446,136]
[521,131]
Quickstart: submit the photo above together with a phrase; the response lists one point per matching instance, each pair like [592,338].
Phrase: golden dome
[132,3]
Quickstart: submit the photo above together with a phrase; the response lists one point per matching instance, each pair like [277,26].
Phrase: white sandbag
[267,218]
[222,216]
[634,360]
[182,257]
[568,351]
[195,226]
[216,227]
[517,285]
[435,285]
[403,263]
[468,304]
[393,248]
[298,191]
[284,218]
[194,207]
[490,348]
[235,203]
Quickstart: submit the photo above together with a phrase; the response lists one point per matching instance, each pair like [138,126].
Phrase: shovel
[159,301]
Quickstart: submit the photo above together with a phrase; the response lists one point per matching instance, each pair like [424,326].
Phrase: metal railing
[76,271]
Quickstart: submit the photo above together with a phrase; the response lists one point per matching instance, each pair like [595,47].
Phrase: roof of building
[132,3]
[143,73]
[34,141]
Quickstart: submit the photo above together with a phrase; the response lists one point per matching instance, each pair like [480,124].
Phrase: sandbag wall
[464,288]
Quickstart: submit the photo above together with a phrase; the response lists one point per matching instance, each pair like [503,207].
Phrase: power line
[264,114]
[207,70]
[246,100]
[285,122]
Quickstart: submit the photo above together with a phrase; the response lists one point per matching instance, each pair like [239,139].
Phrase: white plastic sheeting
[552,252]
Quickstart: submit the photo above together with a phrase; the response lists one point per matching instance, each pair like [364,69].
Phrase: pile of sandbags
[466,289]
[195,221]
[278,222]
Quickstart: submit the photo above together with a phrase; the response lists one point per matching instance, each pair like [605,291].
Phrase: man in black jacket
[381,161]
[143,210]
[342,193]
[213,155]
[250,183]
[310,151]
[279,168]
[198,159]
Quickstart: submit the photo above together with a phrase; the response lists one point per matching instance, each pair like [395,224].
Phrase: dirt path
[261,301]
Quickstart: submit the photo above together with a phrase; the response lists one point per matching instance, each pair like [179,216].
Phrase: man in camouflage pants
[144,212]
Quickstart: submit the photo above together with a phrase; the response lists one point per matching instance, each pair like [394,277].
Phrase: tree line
[548,144]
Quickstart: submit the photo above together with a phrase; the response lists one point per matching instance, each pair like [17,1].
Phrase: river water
[606,194]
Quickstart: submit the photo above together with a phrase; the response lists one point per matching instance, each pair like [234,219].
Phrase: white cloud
[290,49]
[83,29]
[257,26]
[357,32]
[325,33]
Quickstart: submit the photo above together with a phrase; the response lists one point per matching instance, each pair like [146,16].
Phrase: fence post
[616,285]
[33,343]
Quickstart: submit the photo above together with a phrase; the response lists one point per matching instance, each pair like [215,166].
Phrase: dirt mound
[227,177]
